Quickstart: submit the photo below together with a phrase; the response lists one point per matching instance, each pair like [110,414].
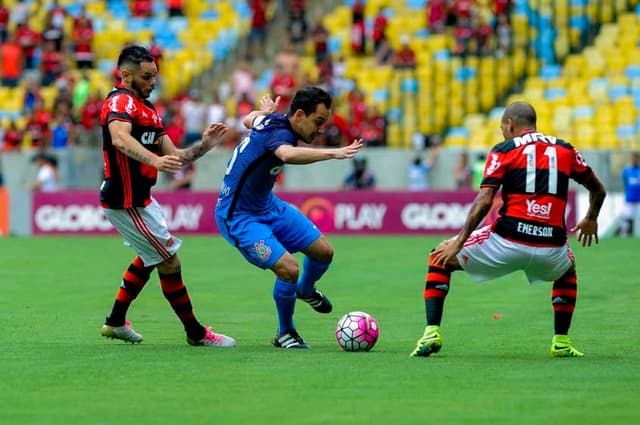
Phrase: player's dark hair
[134,55]
[522,114]
[307,99]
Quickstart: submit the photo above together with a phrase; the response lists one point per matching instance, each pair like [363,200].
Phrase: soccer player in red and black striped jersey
[533,170]
[135,147]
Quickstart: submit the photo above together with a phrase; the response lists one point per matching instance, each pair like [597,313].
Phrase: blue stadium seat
[626,131]
[496,113]
[209,15]
[409,85]
[380,95]
[618,91]
[465,73]
[458,132]
[394,114]
[632,71]
[416,4]
[555,93]
[550,72]
[137,24]
[585,111]
[442,55]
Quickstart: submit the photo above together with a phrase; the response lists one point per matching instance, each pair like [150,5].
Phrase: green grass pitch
[494,367]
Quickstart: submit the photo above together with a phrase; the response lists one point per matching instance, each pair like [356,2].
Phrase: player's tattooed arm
[213,136]
[123,141]
[194,152]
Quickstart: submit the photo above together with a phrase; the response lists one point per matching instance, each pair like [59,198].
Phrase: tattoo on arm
[194,152]
[136,155]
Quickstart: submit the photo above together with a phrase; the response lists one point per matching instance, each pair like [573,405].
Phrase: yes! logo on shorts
[263,251]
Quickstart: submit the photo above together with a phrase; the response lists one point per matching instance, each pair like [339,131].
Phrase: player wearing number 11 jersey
[533,171]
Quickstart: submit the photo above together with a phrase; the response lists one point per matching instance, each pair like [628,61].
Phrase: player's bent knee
[287,268]
[170,265]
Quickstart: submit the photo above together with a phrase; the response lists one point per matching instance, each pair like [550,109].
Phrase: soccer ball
[357,331]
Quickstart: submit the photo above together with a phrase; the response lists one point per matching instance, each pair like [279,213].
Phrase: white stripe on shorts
[146,231]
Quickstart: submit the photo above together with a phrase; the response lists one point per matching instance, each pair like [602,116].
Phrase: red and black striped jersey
[534,170]
[127,182]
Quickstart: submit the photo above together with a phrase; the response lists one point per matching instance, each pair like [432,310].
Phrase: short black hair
[307,99]
[134,55]
[522,114]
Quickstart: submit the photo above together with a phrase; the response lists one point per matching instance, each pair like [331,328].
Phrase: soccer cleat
[289,339]
[212,339]
[561,346]
[430,343]
[318,301]
[124,333]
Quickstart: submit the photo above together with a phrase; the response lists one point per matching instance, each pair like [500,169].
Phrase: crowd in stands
[48,53]
[61,57]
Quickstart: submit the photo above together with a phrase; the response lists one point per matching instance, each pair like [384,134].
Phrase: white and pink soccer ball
[357,331]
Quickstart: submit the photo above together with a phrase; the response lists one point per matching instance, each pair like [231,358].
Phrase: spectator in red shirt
[283,85]
[463,34]
[357,109]
[175,129]
[175,7]
[258,32]
[12,137]
[83,37]
[37,127]
[156,51]
[11,62]
[320,37]
[89,131]
[142,8]
[358,41]
[29,40]
[51,63]
[5,15]
[380,23]
[437,11]
[405,57]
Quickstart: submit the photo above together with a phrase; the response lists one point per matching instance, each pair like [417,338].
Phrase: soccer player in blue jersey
[267,230]
[631,182]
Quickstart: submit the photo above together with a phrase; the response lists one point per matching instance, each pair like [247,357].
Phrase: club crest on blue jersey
[263,251]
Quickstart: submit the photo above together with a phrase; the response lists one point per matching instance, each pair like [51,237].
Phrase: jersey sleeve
[120,107]
[278,138]
[494,169]
[580,170]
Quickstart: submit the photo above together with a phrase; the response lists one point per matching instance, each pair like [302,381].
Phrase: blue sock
[312,271]
[284,295]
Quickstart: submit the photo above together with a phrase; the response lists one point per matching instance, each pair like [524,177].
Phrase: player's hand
[268,105]
[168,163]
[349,151]
[445,251]
[214,135]
[587,231]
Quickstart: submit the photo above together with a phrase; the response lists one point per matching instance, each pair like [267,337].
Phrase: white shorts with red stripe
[146,230]
[487,255]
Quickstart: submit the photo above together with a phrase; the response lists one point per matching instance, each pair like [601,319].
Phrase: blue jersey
[631,181]
[251,171]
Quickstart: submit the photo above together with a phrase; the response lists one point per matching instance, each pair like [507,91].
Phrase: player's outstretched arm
[305,155]
[213,136]
[587,228]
